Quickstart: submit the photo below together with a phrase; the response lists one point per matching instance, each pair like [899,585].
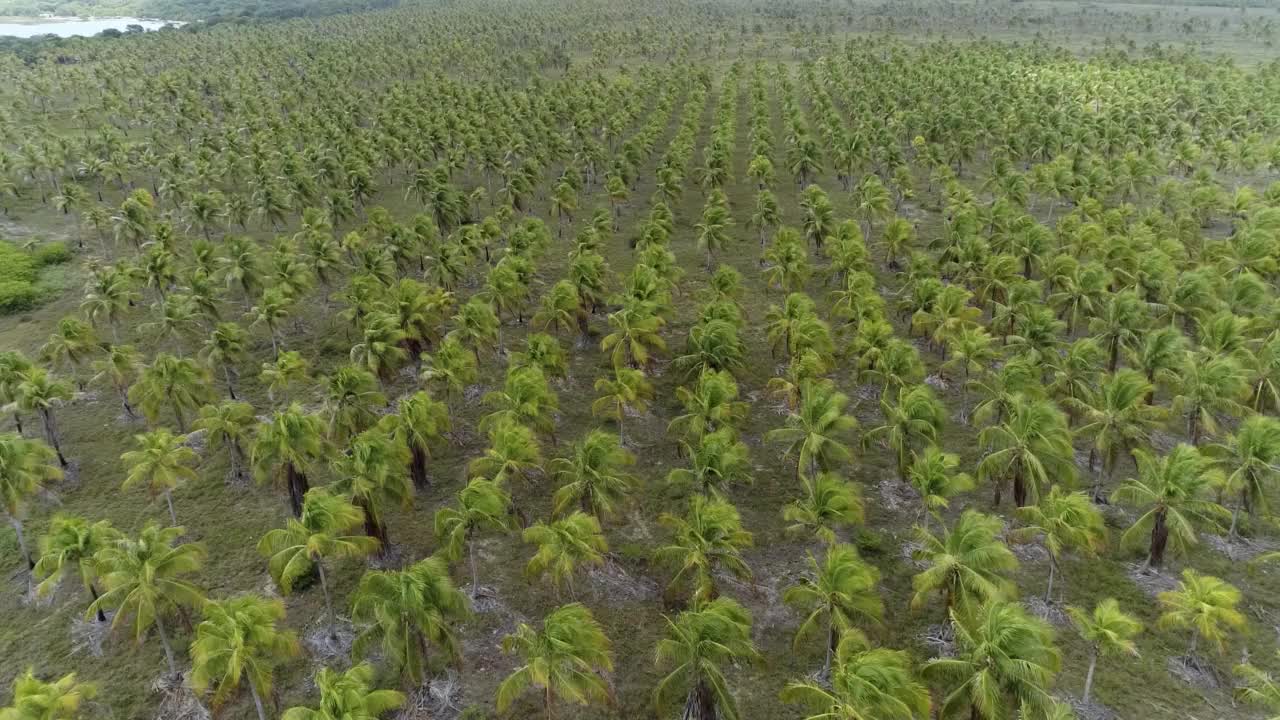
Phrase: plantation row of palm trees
[1073,313]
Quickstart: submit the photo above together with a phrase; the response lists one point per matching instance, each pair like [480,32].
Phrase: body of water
[66,27]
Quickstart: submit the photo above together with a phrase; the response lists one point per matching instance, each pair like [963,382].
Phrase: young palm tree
[634,339]
[1108,630]
[718,461]
[285,373]
[239,640]
[840,592]
[699,642]
[1250,459]
[968,565]
[628,391]
[1259,688]
[1064,521]
[73,542]
[865,683]
[593,478]
[482,505]
[119,366]
[144,585]
[34,699]
[181,384]
[228,424]
[565,660]
[380,348]
[513,451]
[419,423]
[286,448]
[1005,660]
[161,463]
[25,467]
[224,349]
[40,392]
[1120,420]
[373,474]
[712,404]
[524,398]
[404,610]
[1032,446]
[564,545]
[306,542]
[829,502]
[348,695]
[815,433]
[352,398]
[1207,388]
[708,539]
[1119,325]
[971,350]
[451,368]
[933,474]
[1206,606]
[914,420]
[1173,488]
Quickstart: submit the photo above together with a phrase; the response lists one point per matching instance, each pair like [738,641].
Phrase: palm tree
[1259,688]
[712,404]
[38,391]
[379,350]
[373,474]
[25,467]
[708,539]
[143,580]
[593,478]
[933,474]
[525,398]
[14,367]
[634,339]
[1032,445]
[482,505]
[1118,326]
[286,447]
[1250,459]
[698,642]
[814,432]
[865,683]
[1173,490]
[73,542]
[967,565]
[161,463]
[719,460]
[1005,660]
[120,368]
[513,450]
[451,368]
[351,401]
[34,699]
[228,424]
[419,423]
[564,545]
[286,372]
[180,383]
[1208,387]
[914,420]
[1064,521]
[239,639]
[404,610]
[841,591]
[1120,420]
[971,349]
[318,534]
[348,695]
[628,391]
[565,659]
[829,502]
[1108,630]
[1205,605]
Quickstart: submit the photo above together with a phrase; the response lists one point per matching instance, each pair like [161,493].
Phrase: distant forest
[208,10]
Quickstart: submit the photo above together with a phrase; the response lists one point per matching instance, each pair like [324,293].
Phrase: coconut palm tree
[1108,630]
[144,583]
[628,391]
[162,462]
[1173,490]
[565,660]
[1119,420]
[525,398]
[224,349]
[25,467]
[451,368]
[348,695]
[718,461]
[180,384]
[482,505]
[865,683]
[418,424]
[73,542]
[593,477]
[513,451]
[710,405]
[1206,606]
[239,639]
[1032,446]
[815,432]
[352,398]
[914,420]
[839,592]
[1005,661]
[634,339]
[1259,688]
[1250,460]
[829,502]
[40,392]
[1118,326]
[285,373]
[404,612]
[373,474]
[563,546]
[708,539]
[933,474]
[1209,387]
[1063,521]
[698,643]
[34,699]
[317,535]
[228,424]
[968,565]
[286,448]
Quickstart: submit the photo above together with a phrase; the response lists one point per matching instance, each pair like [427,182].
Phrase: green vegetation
[571,359]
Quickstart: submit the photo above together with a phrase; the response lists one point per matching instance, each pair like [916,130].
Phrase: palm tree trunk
[297,486]
[257,702]
[168,651]
[17,421]
[831,646]
[418,466]
[51,433]
[173,517]
[1053,569]
[22,541]
[1088,677]
[475,578]
[1159,538]
[93,593]
[328,601]
[177,414]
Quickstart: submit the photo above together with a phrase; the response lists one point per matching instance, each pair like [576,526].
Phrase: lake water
[66,27]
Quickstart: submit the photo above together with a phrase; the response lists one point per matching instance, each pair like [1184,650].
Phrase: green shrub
[15,265]
[54,253]
[17,295]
